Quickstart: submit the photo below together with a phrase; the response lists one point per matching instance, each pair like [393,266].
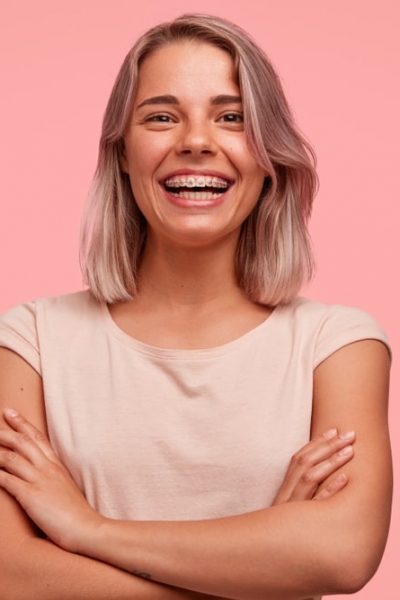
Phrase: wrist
[85,534]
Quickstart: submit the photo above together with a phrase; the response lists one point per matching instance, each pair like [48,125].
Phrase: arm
[33,568]
[295,549]
[289,551]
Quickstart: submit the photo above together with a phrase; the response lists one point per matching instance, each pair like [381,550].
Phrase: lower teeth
[196,195]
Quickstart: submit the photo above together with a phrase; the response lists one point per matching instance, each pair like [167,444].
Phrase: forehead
[188,66]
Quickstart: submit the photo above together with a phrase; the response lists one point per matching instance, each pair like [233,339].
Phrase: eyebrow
[225,99]
[168,99]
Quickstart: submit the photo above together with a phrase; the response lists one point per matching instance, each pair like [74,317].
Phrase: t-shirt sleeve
[344,325]
[18,332]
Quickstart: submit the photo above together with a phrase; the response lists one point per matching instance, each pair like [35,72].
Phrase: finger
[322,447]
[16,465]
[300,480]
[13,485]
[332,488]
[20,445]
[21,425]
[313,477]
[31,448]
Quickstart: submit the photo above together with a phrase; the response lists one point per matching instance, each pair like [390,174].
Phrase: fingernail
[341,478]
[330,433]
[9,412]
[346,451]
[349,435]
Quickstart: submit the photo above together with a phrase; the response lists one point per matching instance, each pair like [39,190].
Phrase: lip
[193,203]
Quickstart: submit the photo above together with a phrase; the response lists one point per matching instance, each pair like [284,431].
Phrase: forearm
[39,570]
[287,552]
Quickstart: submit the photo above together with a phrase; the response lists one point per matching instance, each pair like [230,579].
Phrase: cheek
[149,150]
[256,172]
[245,161]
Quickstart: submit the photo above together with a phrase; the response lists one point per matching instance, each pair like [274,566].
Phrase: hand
[31,472]
[309,469]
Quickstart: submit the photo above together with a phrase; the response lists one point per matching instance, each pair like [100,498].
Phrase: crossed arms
[296,549]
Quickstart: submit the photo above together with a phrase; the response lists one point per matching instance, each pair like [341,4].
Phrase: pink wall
[340,65]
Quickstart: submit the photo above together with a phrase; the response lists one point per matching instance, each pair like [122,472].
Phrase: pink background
[340,65]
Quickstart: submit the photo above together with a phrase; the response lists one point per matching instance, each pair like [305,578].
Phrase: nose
[196,139]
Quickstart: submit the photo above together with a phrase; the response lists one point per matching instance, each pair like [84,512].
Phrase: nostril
[189,151]
[196,142]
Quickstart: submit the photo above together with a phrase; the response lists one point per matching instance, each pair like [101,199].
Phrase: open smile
[196,187]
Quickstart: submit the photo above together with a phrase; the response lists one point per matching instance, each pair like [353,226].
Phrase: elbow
[356,545]
[350,579]
[353,568]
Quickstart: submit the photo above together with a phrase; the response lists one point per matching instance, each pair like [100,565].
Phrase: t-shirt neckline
[185,353]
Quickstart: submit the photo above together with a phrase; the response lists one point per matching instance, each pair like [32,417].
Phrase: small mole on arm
[141,574]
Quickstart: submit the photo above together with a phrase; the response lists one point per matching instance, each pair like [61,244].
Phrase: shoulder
[26,314]
[70,306]
[24,327]
[332,326]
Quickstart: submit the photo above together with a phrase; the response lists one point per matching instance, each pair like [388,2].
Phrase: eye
[159,118]
[232,117]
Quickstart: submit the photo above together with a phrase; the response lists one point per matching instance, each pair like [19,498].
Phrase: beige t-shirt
[152,433]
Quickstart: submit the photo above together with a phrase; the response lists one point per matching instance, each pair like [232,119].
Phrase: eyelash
[160,118]
[237,117]
[231,117]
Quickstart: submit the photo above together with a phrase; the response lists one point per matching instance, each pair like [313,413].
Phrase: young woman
[181,391]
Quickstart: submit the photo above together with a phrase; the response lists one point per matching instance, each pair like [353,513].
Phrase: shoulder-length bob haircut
[273,257]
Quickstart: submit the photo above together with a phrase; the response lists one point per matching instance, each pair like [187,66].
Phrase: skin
[46,491]
[327,529]
[189,118]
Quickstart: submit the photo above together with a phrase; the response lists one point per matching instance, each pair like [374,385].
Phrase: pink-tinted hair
[273,257]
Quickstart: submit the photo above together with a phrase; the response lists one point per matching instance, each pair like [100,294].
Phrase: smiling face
[191,171]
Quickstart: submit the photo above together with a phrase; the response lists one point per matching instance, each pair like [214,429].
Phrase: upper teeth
[200,181]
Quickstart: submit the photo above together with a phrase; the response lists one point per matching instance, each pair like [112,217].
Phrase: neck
[188,298]
[189,276]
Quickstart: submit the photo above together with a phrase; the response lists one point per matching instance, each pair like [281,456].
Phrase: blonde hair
[273,257]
